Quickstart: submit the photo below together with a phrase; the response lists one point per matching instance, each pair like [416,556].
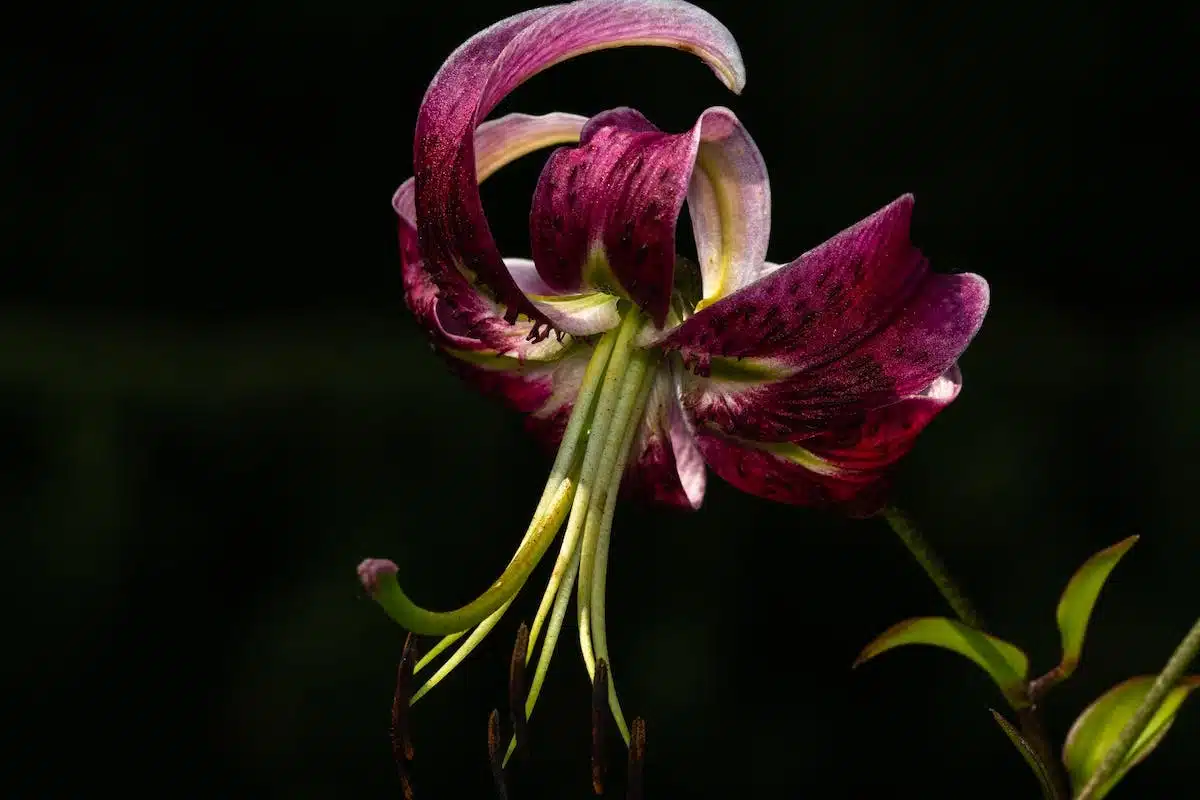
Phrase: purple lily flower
[801,382]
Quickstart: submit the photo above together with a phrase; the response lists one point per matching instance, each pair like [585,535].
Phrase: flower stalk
[1029,717]
[933,566]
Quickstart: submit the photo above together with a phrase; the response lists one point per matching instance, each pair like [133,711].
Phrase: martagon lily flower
[802,382]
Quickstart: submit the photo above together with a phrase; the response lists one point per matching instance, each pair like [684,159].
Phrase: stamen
[477,635]
[557,617]
[637,759]
[621,391]
[603,541]
[494,753]
[378,575]
[516,690]
[568,557]
[402,749]
[599,696]
[437,650]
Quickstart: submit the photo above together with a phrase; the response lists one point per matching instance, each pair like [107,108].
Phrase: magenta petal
[764,474]
[454,232]
[539,378]
[853,325]
[880,437]
[604,212]
[846,466]
[819,305]
[455,313]
[666,465]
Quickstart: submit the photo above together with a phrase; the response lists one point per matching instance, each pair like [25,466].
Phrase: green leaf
[1026,751]
[1078,599]
[1100,725]
[1004,662]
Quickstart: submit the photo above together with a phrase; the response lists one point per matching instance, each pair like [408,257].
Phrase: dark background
[213,403]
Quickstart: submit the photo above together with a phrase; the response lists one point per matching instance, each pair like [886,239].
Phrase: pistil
[582,489]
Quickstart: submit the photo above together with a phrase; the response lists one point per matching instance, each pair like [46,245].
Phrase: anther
[599,709]
[402,749]
[495,757]
[637,758]
[517,692]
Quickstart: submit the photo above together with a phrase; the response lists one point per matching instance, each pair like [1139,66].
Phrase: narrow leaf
[1100,725]
[1026,750]
[1078,599]
[1004,662]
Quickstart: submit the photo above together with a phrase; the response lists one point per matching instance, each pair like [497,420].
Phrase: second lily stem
[1029,718]
[1178,664]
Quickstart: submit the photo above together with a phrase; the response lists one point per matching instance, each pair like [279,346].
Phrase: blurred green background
[213,403]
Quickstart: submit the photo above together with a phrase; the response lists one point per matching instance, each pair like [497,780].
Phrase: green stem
[933,566]
[1031,723]
[1178,664]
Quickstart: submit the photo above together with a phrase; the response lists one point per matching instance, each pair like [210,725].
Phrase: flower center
[582,490]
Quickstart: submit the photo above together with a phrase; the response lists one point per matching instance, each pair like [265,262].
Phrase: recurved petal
[577,313]
[453,229]
[818,306]
[920,342]
[779,372]
[539,378]
[845,466]
[604,212]
[666,465]
[729,200]
[457,317]
[467,319]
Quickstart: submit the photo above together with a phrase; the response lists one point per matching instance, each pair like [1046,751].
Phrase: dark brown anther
[402,749]
[517,692]
[637,758]
[599,709]
[495,756]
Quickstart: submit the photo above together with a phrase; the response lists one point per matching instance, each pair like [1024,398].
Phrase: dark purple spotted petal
[604,212]
[854,324]
[666,465]
[453,229]
[456,314]
[818,306]
[540,378]
[845,466]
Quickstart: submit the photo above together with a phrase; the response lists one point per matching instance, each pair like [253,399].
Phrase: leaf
[1078,599]
[1099,726]
[1026,750]
[1004,662]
